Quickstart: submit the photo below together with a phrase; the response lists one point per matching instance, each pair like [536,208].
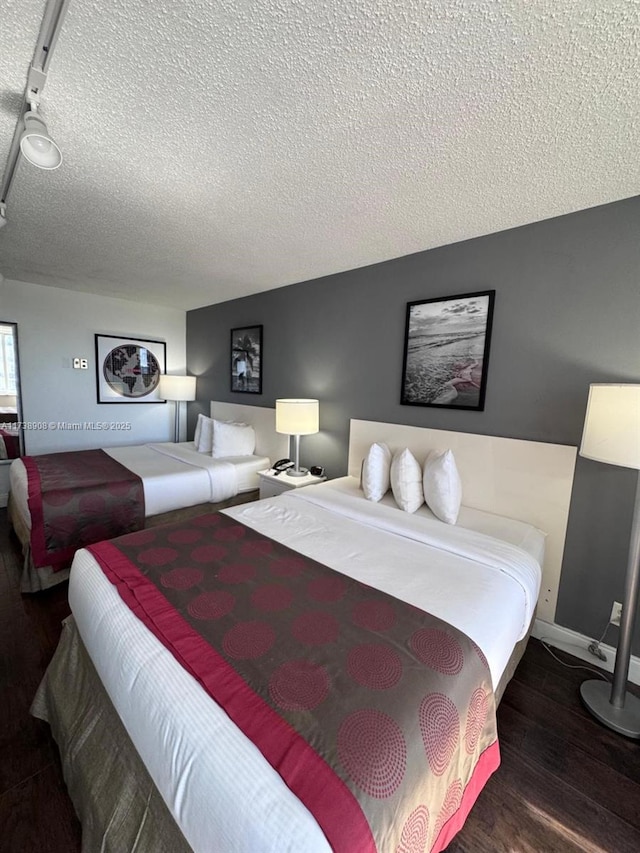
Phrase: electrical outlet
[616,614]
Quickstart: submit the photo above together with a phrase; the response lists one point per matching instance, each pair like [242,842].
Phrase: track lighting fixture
[31,137]
[35,143]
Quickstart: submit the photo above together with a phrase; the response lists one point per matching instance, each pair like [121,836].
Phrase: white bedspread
[217,785]
[173,476]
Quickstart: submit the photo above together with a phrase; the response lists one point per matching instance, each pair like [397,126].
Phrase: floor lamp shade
[181,389]
[612,434]
[612,425]
[297,417]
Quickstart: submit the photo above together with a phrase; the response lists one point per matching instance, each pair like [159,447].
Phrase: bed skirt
[118,805]
[116,800]
[34,579]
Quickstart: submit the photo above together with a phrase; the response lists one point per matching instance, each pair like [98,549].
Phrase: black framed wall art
[446,351]
[128,370]
[246,359]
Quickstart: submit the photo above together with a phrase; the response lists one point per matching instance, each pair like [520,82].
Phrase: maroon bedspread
[78,498]
[378,716]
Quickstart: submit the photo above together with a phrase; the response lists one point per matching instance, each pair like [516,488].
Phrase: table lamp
[296,418]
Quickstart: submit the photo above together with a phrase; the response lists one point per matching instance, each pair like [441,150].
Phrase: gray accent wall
[567,313]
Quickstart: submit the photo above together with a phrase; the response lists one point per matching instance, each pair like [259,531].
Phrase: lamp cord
[597,672]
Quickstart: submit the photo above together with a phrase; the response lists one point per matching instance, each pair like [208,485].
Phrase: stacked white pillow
[232,439]
[442,485]
[220,438]
[376,470]
[406,480]
[203,437]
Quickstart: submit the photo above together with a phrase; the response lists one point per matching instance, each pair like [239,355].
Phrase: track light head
[36,144]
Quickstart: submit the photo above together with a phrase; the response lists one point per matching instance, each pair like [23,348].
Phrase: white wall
[55,325]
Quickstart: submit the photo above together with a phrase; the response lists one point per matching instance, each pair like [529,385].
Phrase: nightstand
[272,485]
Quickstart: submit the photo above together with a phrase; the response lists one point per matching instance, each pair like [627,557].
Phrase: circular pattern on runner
[415,832]
[373,752]
[286,567]
[91,503]
[209,519]
[315,628]
[182,578]
[299,685]
[374,615]
[121,490]
[211,605]
[374,665]
[208,553]
[248,640]
[480,654]
[236,573]
[450,806]
[58,498]
[157,556]
[272,597]
[261,547]
[230,534]
[329,588]
[437,649]
[440,729]
[185,537]
[476,718]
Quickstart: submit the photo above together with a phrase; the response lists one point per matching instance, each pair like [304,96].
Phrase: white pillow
[442,485]
[203,437]
[406,480]
[376,471]
[230,439]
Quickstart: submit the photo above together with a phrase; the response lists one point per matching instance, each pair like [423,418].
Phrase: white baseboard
[577,645]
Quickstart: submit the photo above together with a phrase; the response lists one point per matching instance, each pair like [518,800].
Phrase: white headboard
[527,480]
[268,442]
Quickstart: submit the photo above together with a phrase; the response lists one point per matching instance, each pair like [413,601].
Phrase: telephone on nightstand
[282,465]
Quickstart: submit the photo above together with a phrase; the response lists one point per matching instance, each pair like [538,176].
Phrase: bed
[153,763]
[174,476]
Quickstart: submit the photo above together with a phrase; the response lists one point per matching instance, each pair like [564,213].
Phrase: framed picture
[246,360]
[128,370]
[446,351]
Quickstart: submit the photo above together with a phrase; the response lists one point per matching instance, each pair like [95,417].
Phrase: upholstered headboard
[268,441]
[527,480]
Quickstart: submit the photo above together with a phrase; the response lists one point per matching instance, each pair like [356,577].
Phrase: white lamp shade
[297,417]
[612,425]
[180,388]
[36,144]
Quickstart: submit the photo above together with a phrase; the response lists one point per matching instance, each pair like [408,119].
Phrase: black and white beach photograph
[447,351]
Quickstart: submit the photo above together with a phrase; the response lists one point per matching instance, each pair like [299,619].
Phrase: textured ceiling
[217,149]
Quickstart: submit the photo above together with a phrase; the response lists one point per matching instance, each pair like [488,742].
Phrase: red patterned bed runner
[78,498]
[378,716]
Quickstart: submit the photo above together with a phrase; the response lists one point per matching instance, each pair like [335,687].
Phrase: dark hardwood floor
[566,784]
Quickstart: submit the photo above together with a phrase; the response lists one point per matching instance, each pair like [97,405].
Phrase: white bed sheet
[173,476]
[217,785]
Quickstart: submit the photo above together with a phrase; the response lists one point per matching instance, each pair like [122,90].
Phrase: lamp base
[300,472]
[596,694]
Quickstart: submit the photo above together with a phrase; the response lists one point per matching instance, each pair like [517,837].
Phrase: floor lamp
[181,389]
[612,434]
[296,418]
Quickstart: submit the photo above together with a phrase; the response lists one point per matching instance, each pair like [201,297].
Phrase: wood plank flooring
[566,784]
